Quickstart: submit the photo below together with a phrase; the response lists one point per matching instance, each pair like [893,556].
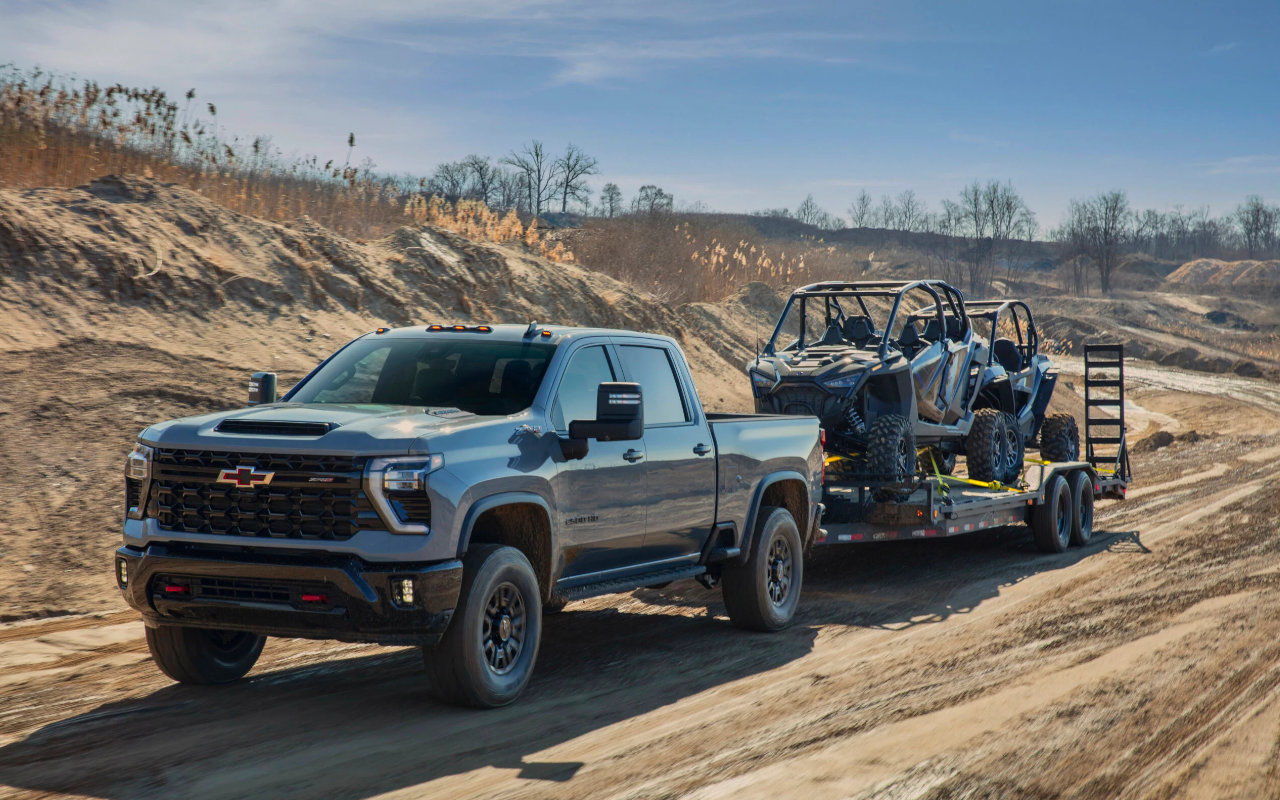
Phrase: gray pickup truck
[442,486]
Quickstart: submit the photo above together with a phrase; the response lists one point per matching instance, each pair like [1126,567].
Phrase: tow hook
[709,579]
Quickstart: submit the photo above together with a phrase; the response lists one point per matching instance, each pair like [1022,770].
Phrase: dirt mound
[1212,272]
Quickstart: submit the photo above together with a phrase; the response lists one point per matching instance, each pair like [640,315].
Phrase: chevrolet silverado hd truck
[442,486]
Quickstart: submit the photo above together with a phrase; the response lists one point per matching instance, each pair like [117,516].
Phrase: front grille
[308,496]
[244,590]
[132,493]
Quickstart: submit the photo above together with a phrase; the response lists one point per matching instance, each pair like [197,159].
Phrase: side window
[576,397]
[651,368]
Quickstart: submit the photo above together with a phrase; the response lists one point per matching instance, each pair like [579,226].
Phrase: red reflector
[314,598]
[173,588]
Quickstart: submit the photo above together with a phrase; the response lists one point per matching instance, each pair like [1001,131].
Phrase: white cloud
[1221,47]
[1259,164]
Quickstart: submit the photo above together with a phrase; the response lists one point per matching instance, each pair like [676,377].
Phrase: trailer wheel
[201,656]
[1014,449]
[1060,438]
[1081,507]
[985,446]
[486,656]
[1051,522]
[762,594]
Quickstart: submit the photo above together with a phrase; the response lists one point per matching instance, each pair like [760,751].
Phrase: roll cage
[1023,327]
[947,300]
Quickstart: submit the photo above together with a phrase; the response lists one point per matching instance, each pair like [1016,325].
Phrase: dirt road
[1146,666]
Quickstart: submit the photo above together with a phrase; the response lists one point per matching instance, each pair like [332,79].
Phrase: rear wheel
[891,448]
[762,594]
[1060,438]
[200,656]
[1051,521]
[1082,506]
[985,445]
[486,656]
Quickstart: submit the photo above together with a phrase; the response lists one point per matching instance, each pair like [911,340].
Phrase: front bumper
[237,589]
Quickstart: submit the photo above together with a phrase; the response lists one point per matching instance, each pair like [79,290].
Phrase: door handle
[633,455]
[701,449]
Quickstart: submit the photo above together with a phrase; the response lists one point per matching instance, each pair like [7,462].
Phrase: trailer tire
[202,656]
[985,445]
[1051,521]
[1081,508]
[762,594]
[499,610]
[1060,438]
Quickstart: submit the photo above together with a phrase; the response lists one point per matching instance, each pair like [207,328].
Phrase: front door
[600,499]
[679,454]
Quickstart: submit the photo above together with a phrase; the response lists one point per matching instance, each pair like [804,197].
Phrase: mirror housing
[619,415]
[262,388]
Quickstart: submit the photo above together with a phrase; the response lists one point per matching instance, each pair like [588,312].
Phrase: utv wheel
[201,656]
[1060,438]
[985,446]
[891,449]
[486,655]
[1014,449]
[1082,505]
[1051,521]
[934,458]
[762,594]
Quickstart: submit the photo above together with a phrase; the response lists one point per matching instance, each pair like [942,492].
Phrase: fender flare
[490,502]
[753,511]
[1003,391]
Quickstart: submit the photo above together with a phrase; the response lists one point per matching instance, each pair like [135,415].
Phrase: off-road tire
[1082,507]
[984,447]
[202,656]
[460,667]
[762,594]
[932,456]
[1015,449]
[1060,438]
[1051,520]
[891,448]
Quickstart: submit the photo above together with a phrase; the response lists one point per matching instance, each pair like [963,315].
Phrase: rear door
[680,471]
[600,499]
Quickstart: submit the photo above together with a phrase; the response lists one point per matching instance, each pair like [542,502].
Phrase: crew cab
[442,486]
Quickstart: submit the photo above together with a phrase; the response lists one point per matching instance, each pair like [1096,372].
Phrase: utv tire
[933,457]
[762,594]
[487,653]
[201,656]
[1082,504]
[1060,438]
[1015,449]
[891,449]
[985,446]
[1051,520]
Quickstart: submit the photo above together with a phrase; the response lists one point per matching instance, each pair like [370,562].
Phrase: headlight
[408,474]
[844,381]
[761,381]
[138,464]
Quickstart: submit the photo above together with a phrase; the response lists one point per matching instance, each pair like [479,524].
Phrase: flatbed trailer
[1055,499]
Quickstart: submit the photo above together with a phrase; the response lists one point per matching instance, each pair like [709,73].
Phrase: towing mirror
[619,415]
[262,388]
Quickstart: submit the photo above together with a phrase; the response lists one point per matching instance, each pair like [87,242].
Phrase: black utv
[889,367]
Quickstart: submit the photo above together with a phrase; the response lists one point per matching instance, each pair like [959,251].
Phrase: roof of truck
[532,331]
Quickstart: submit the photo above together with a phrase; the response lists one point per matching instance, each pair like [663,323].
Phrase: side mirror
[262,388]
[619,415]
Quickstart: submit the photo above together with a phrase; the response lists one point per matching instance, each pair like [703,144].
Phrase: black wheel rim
[1064,521]
[1012,465]
[779,578]
[1086,514]
[905,452]
[231,646]
[504,629]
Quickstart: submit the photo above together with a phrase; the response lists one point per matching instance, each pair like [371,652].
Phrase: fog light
[402,591]
[122,573]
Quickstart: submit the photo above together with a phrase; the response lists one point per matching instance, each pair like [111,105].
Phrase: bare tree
[1258,222]
[860,211]
[810,213]
[610,200]
[888,213]
[450,179]
[1098,228]
[481,177]
[508,189]
[974,226]
[652,200]
[538,173]
[571,170]
[911,211]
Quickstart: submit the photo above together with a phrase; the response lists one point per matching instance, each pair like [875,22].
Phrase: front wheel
[201,656]
[762,594]
[486,656]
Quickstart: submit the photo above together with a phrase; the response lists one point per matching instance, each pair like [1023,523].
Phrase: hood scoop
[265,427]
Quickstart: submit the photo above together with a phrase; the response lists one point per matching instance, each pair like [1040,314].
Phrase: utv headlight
[844,381]
[408,474]
[759,380]
[138,463]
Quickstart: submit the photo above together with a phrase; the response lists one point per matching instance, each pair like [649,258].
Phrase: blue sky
[740,105]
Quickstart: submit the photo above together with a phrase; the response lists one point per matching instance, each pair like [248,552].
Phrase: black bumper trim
[358,608]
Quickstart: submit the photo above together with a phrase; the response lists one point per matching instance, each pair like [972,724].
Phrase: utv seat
[1006,352]
[932,330]
[858,331]
[831,337]
[910,342]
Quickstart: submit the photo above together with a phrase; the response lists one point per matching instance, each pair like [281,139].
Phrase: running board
[626,583]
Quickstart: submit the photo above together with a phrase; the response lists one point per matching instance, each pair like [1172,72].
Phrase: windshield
[477,376]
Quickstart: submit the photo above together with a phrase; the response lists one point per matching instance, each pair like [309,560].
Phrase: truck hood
[316,428]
